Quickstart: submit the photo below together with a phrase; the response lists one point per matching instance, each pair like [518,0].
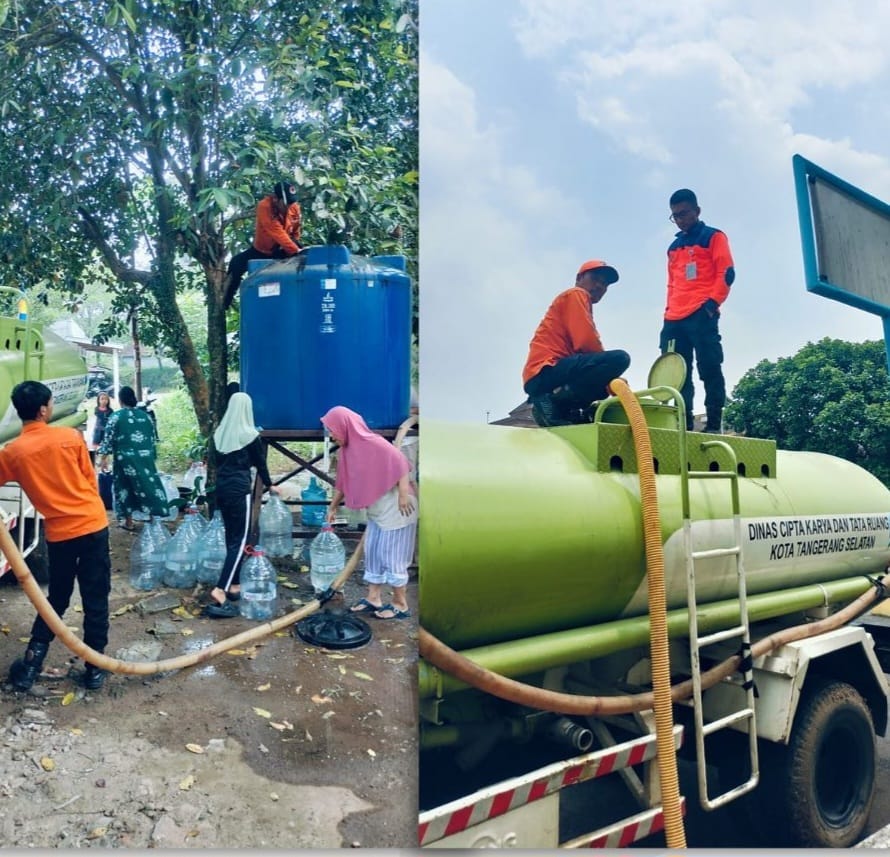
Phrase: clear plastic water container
[259,591]
[146,562]
[327,557]
[181,558]
[277,527]
[211,550]
[315,510]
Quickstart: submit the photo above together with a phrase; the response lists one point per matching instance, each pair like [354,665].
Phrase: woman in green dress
[130,438]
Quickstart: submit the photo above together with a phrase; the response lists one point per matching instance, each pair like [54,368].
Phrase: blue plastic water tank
[326,328]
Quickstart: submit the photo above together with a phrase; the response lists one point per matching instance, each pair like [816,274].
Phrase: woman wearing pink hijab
[373,475]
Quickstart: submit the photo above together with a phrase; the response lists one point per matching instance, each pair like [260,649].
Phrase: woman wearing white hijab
[238,447]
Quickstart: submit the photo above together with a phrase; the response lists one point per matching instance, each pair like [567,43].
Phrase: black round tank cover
[333,630]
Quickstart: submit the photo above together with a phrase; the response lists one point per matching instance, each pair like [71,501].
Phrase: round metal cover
[669,370]
[333,630]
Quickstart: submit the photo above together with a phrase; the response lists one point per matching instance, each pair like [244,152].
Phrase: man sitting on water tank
[567,367]
[276,235]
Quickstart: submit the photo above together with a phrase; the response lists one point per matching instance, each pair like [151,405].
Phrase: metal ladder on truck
[740,631]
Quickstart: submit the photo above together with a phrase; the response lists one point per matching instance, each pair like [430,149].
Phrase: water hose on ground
[66,636]
[35,594]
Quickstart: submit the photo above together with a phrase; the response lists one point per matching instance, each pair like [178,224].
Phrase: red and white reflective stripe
[488,803]
[626,832]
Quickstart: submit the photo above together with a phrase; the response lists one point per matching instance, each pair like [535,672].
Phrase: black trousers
[236,521]
[586,376]
[699,334]
[237,270]
[84,559]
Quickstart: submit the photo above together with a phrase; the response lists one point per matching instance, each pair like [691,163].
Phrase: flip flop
[396,613]
[365,606]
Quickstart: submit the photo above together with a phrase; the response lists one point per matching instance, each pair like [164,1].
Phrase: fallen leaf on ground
[288,585]
[262,712]
[263,687]
[97,832]
[297,602]
[75,731]
[187,783]
[194,748]
[24,639]
[327,714]
[47,764]
[371,753]
[186,632]
[342,669]
[4,629]
[338,656]
[364,676]
[321,700]
[77,608]
[68,698]
[182,612]
[121,610]
[264,748]
[236,652]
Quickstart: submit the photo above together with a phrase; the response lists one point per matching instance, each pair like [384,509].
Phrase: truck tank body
[62,369]
[531,531]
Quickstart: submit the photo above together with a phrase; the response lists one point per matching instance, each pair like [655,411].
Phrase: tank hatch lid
[333,630]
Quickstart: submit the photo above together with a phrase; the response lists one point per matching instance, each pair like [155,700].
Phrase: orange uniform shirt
[700,268]
[53,466]
[271,231]
[567,328]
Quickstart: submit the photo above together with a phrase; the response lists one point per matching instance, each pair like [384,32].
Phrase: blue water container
[327,328]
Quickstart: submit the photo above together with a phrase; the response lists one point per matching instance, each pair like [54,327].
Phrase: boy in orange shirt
[52,465]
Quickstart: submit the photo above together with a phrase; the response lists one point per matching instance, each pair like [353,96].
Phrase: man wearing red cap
[567,367]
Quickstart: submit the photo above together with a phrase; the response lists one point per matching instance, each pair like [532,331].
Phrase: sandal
[396,613]
[229,610]
[365,606]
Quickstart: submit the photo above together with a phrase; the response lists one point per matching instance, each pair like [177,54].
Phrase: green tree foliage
[140,134]
[832,396]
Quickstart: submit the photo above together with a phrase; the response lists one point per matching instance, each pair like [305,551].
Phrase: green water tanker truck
[29,354]
[539,669]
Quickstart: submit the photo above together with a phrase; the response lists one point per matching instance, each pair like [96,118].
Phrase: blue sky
[554,131]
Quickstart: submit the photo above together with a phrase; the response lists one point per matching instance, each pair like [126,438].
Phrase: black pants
[236,521]
[699,334]
[86,560]
[237,270]
[586,376]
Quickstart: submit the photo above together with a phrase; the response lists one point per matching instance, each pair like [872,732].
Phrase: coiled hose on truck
[32,589]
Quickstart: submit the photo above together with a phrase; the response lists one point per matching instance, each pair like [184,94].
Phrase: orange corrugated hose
[658,629]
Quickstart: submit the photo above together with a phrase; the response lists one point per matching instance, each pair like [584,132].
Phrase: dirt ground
[278,744]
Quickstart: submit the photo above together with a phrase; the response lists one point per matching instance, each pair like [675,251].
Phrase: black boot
[94,678]
[714,424]
[23,673]
[546,412]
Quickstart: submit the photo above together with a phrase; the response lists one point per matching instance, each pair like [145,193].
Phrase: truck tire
[816,792]
[830,767]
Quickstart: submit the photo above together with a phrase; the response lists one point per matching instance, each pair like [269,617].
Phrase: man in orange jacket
[567,367]
[700,272]
[276,235]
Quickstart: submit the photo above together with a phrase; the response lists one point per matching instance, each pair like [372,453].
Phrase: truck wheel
[830,770]
[816,792]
